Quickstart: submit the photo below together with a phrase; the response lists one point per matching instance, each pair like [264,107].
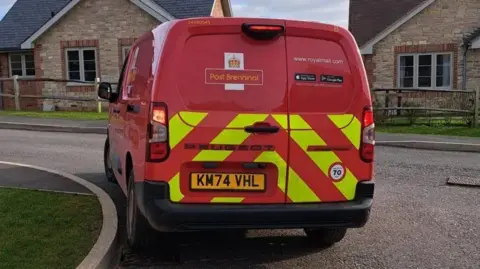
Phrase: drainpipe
[464,81]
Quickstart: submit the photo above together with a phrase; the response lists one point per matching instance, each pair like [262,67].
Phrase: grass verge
[46,230]
[430,130]
[57,115]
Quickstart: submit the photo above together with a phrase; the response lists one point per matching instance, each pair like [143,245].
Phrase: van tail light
[367,144]
[157,144]
[261,31]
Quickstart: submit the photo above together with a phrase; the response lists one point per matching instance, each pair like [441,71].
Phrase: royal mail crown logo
[234,62]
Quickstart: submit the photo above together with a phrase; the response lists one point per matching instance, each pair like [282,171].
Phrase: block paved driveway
[417,220]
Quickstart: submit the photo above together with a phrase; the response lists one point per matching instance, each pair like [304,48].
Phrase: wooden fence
[19,89]
[411,105]
[390,105]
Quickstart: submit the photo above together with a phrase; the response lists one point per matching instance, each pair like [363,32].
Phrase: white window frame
[24,65]
[81,62]
[125,50]
[433,74]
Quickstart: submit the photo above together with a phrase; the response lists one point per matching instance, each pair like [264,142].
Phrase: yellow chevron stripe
[274,157]
[297,122]
[175,192]
[282,120]
[350,126]
[227,136]
[192,118]
[178,129]
[231,200]
[230,136]
[298,191]
[323,159]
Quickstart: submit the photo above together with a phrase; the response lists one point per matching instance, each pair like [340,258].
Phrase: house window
[425,70]
[125,50]
[81,64]
[22,64]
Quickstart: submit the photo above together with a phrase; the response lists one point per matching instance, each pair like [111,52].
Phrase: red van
[242,123]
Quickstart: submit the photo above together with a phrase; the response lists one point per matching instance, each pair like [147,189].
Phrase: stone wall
[473,69]
[443,23]
[103,24]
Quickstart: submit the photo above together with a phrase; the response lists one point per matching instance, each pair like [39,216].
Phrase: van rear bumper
[163,215]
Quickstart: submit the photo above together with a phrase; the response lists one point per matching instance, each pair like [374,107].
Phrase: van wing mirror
[105,91]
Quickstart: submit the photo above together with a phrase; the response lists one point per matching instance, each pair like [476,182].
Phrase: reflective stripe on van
[308,179]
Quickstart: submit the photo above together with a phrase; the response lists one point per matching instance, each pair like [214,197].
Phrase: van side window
[122,74]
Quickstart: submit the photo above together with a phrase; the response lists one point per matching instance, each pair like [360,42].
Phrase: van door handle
[262,129]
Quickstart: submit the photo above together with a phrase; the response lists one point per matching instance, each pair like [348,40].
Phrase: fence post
[16,90]
[476,107]
[99,103]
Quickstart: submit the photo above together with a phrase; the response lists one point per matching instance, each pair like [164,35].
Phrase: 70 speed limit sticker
[337,171]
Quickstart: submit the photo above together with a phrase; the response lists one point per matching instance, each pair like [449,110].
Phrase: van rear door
[224,106]
[326,100]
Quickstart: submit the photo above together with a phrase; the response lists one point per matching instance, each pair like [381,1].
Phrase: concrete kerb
[104,250]
[432,145]
[52,128]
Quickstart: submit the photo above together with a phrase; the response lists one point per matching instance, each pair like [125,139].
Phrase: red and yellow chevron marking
[306,180]
[303,169]
[278,194]
[322,159]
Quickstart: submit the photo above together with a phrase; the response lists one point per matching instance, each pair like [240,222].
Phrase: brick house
[418,43]
[81,40]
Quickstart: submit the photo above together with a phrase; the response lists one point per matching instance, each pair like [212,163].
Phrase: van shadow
[219,249]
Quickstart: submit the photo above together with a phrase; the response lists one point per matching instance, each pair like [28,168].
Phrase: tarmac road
[417,220]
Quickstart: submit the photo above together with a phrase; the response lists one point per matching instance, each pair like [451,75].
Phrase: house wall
[217,9]
[103,24]
[473,69]
[438,28]
[25,87]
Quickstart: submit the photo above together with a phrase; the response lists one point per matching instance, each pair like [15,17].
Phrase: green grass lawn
[46,230]
[58,115]
[430,130]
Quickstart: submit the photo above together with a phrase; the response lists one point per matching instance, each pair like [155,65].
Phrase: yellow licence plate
[227,182]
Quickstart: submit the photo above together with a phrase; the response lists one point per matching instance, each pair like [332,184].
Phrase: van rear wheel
[107,163]
[326,237]
[138,228]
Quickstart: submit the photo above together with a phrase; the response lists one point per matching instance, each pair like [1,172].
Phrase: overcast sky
[328,11]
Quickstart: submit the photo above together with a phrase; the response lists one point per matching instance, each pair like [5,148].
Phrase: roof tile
[27,16]
[368,18]
[24,18]
[182,9]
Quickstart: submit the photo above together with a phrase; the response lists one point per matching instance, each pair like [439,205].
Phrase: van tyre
[138,228]
[107,163]
[326,237]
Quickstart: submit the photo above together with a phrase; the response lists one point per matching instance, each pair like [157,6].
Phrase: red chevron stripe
[311,174]
[333,136]
[200,134]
